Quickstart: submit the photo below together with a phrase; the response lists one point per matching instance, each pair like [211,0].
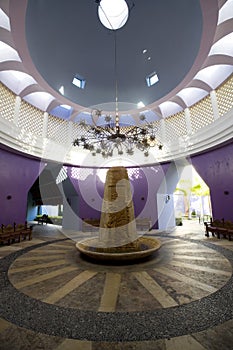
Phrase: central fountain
[118,238]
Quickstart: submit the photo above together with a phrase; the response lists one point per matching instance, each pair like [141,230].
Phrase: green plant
[179,222]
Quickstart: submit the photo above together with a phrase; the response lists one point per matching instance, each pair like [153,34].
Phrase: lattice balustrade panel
[133,173]
[159,134]
[81,173]
[175,126]
[57,130]
[225,97]
[62,176]
[7,103]
[30,118]
[201,114]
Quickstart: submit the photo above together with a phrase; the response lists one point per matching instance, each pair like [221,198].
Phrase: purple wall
[144,183]
[216,169]
[17,174]
[90,192]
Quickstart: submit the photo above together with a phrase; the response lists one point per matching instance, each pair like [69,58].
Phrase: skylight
[113,14]
[140,104]
[66,107]
[152,79]
[79,81]
[61,90]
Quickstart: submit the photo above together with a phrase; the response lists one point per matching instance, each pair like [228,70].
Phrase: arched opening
[191,197]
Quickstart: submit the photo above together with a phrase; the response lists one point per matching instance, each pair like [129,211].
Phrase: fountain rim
[108,256]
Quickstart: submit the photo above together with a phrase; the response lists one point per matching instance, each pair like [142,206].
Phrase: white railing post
[17,110]
[188,120]
[45,125]
[214,104]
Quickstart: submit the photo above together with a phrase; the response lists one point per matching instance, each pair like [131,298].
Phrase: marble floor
[179,298]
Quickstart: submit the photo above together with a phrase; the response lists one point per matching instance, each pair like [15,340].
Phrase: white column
[45,125]
[214,104]
[17,110]
[188,120]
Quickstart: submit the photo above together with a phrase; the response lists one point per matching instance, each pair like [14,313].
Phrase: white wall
[165,204]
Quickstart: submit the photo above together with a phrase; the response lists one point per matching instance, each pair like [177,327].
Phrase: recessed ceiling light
[152,79]
[140,104]
[79,81]
[144,51]
[149,58]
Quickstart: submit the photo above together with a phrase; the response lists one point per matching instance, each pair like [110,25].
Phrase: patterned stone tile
[16,338]
[140,289]
[219,337]
[146,345]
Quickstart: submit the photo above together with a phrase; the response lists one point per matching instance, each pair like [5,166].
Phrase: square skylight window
[79,81]
[152,79]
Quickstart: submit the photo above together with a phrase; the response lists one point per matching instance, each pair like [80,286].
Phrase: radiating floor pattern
[184,278]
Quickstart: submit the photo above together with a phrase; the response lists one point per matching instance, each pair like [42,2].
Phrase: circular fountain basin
[145,247]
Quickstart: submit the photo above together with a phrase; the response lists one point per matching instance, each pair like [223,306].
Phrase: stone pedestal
[117,223]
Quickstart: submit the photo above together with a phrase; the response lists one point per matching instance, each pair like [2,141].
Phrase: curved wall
[216,169]
[150,184]
[17,175]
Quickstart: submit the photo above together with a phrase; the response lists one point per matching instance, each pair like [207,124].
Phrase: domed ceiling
[66,37]
[45,43]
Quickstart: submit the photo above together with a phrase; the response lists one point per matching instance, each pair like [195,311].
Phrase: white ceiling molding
[168,108]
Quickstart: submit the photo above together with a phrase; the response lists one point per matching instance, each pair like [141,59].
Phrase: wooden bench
[218,228]
[23,230]
[43,219]
[12,233]
[5,235]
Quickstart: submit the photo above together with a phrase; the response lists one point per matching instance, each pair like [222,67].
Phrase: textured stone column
[117,223]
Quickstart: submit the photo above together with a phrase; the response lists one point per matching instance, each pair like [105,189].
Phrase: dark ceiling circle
[66,38]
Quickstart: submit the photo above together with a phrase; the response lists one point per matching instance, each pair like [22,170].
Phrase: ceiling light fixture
[110,138]
[113,14]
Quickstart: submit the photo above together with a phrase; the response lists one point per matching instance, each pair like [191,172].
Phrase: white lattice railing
[28,129]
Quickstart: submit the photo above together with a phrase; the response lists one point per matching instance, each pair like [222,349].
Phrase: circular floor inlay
[186,284]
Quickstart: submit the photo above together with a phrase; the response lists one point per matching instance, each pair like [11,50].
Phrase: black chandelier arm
[111,130]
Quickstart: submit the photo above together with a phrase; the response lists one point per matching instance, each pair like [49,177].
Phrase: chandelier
[112,138]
